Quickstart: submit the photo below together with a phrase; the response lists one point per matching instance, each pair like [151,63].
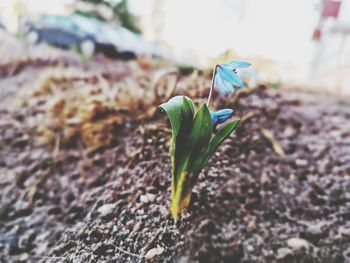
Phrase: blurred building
[330,67]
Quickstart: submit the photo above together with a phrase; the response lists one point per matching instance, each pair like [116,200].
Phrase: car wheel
[33,37]
[87,47]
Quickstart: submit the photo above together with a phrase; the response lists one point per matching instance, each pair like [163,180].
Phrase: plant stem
[212,86]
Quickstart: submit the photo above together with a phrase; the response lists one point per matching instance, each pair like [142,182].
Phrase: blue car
[75,31]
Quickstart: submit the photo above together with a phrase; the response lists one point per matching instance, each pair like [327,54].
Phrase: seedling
[194,135]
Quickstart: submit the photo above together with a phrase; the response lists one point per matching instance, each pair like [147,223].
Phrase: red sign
[330,8]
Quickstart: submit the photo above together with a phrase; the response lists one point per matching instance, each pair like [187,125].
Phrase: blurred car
[88,35]
[131,43]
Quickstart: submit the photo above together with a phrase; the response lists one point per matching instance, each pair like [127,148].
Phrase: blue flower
[226,78]
[221,116]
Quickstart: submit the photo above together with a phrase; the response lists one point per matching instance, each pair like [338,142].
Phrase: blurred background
[290,42]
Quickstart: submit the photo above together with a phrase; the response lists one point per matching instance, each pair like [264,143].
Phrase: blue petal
[214,118]
[223,87]
[234,64]
[221,116]
[224,114]
[229,76]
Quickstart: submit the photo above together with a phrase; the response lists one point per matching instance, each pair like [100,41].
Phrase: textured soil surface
[278,190]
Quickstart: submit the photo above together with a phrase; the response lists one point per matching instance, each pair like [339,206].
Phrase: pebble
[297,243]
[147,198]
[250,248]
[301,162]
[23,257]
[289,132]
[144,199]
[106,209]
[344,231]
[154,252]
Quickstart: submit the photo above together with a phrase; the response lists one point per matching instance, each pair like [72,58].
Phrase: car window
[86,24]
[59,22]
[49,20]
[66,23]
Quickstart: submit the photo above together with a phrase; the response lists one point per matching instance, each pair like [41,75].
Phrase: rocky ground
[278,190]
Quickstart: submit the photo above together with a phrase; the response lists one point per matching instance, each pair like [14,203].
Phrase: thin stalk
[212,86]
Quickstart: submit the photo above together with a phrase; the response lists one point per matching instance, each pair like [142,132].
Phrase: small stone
[23,257]
[144,199]
[289,131]
[250,248]
[154,252]
[301,163]
[344,231]
[147,198]
[151,253]
[297,243]
[151,197]
[292,177]
[106,209]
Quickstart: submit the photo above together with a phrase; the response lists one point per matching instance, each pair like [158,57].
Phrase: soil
[278,190]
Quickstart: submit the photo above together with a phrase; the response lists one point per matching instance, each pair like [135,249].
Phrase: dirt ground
[278,190]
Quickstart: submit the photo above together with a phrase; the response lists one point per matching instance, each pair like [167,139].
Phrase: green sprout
[194,135]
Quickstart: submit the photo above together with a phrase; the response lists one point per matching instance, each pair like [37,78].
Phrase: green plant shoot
[194,136]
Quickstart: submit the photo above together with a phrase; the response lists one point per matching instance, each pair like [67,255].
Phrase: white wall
[330,68]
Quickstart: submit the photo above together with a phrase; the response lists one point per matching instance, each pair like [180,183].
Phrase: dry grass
[69,106]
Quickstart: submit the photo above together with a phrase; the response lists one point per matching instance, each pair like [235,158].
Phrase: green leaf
[217,140]
[198,140]
[201,133]
[181,148]
[181,199]
[179,109]
[180,112]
